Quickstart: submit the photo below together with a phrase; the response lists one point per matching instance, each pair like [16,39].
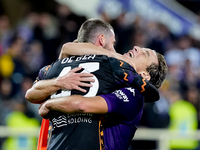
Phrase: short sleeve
[42,74]
[127,102]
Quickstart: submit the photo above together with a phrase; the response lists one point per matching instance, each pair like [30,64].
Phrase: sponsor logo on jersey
[121,95]
[68,119]
[131,90]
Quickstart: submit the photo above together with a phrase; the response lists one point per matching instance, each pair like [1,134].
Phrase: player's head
[97,32]
[149,64]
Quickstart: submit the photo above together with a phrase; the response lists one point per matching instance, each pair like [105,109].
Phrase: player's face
[110,42]
[142,58]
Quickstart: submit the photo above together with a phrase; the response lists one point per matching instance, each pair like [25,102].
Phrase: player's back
[81,131]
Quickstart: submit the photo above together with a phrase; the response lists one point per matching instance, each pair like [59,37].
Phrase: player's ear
[145,75]
[102,40]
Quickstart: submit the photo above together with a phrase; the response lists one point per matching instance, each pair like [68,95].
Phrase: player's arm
[149,91]
[41,90]
[123,101]
[75,104]
[72,48]
[72,80]
[127,102]
[125,74]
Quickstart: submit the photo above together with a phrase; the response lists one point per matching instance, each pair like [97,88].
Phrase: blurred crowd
[37,39]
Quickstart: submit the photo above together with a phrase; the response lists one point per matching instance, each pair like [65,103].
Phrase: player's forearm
[64,105]
[151,94]
[41,90]
[78,104]
[88,48]
[149,91]
[83,49]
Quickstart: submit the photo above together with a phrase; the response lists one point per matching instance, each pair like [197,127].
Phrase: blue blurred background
[33,31]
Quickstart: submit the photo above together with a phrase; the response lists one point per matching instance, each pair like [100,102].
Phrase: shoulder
[43,72]
[120,63]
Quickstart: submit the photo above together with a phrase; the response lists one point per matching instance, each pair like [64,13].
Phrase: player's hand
[43,110]
[73,80]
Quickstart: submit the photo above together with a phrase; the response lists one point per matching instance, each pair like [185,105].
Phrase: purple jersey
[125,108]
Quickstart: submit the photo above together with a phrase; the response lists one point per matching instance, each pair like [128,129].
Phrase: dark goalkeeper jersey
[81,131]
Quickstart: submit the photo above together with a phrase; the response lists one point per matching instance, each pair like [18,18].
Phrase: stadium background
[33,31]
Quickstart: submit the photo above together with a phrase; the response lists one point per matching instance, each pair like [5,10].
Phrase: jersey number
[88,67]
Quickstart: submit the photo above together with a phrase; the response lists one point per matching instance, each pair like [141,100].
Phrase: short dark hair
[158,72]
[91,28]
